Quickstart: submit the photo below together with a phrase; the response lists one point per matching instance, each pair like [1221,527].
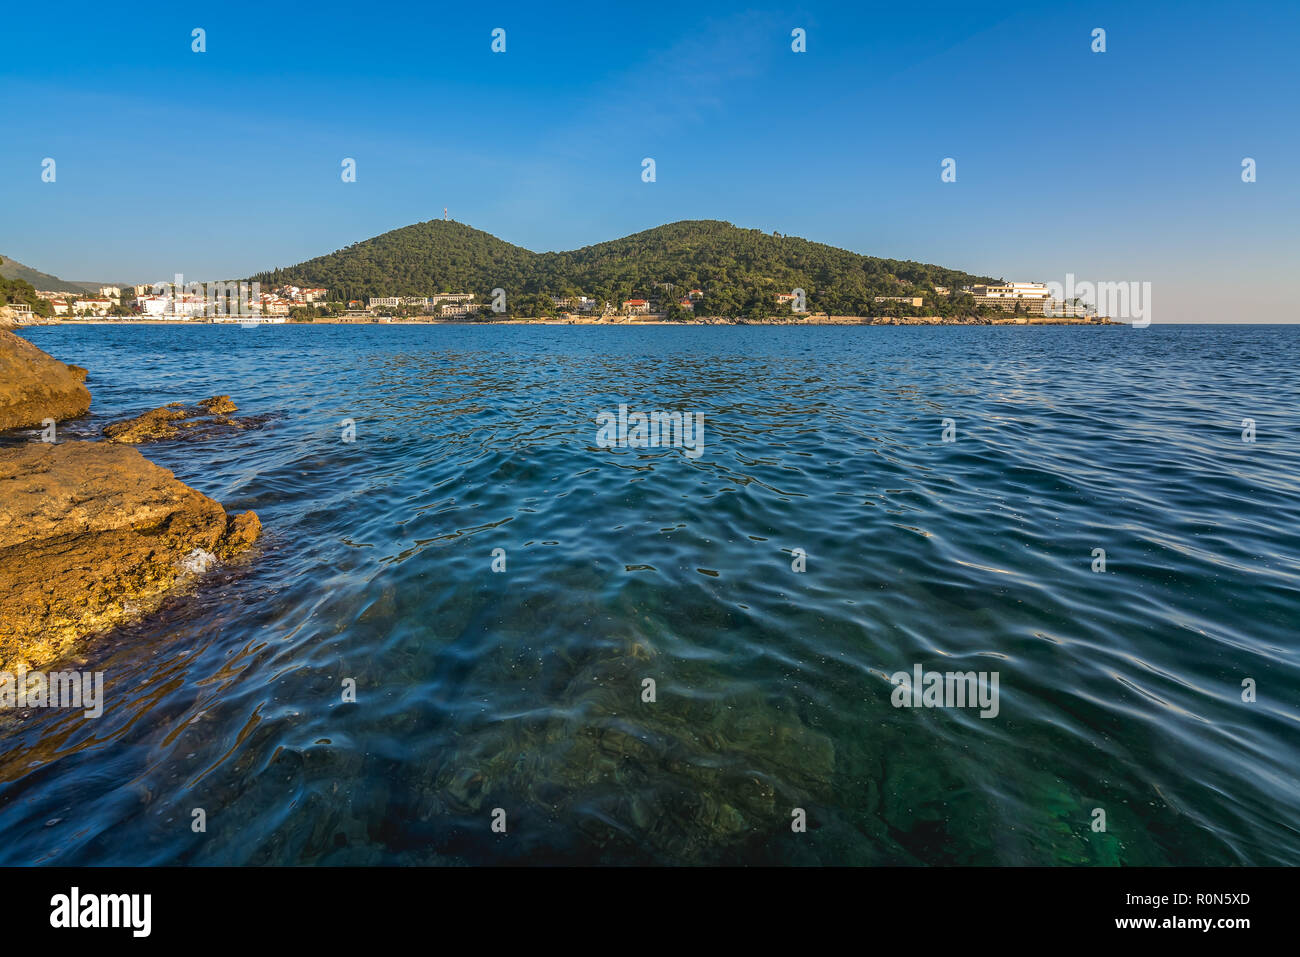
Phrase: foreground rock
[35,386]
[93,535]
[174,421]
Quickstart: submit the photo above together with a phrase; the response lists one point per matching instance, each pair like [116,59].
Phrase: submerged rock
[35,386]
[91,535]
[175,420]
[152,425]
[687,779]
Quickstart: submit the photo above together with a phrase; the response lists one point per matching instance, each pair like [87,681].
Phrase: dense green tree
[20,291]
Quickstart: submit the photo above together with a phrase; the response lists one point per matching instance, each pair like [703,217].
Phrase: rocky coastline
[92,534]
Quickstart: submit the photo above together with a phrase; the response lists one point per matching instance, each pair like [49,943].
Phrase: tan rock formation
[174,420]
[35,386]
[93,535]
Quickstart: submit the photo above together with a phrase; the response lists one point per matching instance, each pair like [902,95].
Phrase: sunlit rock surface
[34,386]
[175,421]
[92,535]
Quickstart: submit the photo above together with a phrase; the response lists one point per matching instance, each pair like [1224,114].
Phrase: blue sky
[1123,165]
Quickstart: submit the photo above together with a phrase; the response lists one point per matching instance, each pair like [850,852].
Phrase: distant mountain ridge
[740,270]
[12,269]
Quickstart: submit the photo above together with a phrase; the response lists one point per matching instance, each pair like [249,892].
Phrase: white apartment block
[165,307]
[461,308]
[92,307]
[1033,297]
[153,305]
[1012,290]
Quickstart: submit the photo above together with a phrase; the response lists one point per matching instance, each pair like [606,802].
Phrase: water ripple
[522,689]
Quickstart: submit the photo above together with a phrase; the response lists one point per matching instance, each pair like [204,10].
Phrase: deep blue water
[522,690]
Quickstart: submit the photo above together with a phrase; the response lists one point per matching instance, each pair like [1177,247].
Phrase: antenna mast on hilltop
[444,214]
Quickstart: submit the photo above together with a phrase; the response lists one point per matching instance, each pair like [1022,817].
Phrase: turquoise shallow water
[522,690]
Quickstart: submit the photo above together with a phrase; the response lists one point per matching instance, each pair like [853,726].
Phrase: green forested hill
[437,256]
[739,270]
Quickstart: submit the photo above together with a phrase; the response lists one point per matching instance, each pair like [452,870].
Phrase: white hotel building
[1012,290]
[1033,297]
[165,307]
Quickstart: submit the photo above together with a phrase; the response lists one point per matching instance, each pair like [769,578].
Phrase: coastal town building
[92,307]
[453,301]
[168,307]
[442,303]
[461,308]
[1011,290]
[1031,298]
[300,295]
[574,303]
[153,305]
[190,306]
[636,307]
[906,300]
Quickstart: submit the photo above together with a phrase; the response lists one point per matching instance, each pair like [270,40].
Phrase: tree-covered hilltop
[740,271]
[435,256]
